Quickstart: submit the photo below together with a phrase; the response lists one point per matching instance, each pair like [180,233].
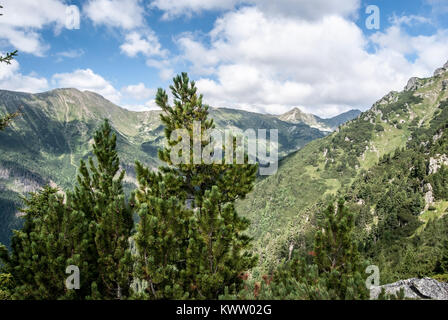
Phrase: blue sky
[258,55]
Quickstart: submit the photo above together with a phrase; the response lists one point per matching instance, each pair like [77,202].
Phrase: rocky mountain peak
[442,70]
[413,84]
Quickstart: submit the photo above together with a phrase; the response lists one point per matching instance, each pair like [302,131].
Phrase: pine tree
[162,236]
[6,285]
[337,256]
[292,280]
[89,229]
[442,263]
[53,237]
[212,252]
[100,196]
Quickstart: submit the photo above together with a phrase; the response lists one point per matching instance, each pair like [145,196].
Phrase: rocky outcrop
[429,196]
[439,71]
[413,84]
[444,84]
[436,163]
[425,288]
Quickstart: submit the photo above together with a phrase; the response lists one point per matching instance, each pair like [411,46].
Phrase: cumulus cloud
[138,91]
[258,63]
[149,105]
[165,67]
[22,20]
[147,44]
[126,14]
[72,53]
[309,10]
[86,79]
[12,79]
[175,8]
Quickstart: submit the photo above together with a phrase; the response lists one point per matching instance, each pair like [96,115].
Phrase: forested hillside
[285,208]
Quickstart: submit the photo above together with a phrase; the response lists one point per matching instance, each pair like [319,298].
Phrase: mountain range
[46,143]
[388,163]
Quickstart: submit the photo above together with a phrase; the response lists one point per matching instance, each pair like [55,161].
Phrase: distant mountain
[327,125]
[284,208]
[45,144]
[338,120]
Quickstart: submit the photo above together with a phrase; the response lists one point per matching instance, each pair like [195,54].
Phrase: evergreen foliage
[337,257]
[89,229]
[335,271]
[201,248]
[100,196]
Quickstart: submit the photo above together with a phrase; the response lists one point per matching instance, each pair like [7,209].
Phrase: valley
[46,143]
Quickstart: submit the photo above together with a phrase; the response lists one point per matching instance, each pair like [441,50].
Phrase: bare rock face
[429,196]
[436,163]
[425,288]
[446,65]
[413,84]
[439,71]
[444,84]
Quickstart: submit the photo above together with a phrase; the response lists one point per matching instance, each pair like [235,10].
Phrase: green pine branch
[6,120]
[9,57]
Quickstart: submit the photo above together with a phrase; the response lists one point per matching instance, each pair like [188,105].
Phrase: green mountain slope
[45,144]
[284,207]
[401,202]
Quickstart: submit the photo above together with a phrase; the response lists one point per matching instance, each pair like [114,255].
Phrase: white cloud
[12,79]
[128,17]
[23,19]
[305,9]
[175,8]
[308,10]
[86,79]
[125,14]
[166,72]
[72,53]
[254,62]
[138,91]
[147,44]
[149,105]
[430,51]
[439,7]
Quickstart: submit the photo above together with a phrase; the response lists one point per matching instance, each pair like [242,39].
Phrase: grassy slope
[281,207]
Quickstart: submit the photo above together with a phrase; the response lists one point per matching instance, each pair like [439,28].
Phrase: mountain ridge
[45,144]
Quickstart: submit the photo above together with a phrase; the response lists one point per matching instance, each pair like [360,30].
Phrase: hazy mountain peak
[296,115]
